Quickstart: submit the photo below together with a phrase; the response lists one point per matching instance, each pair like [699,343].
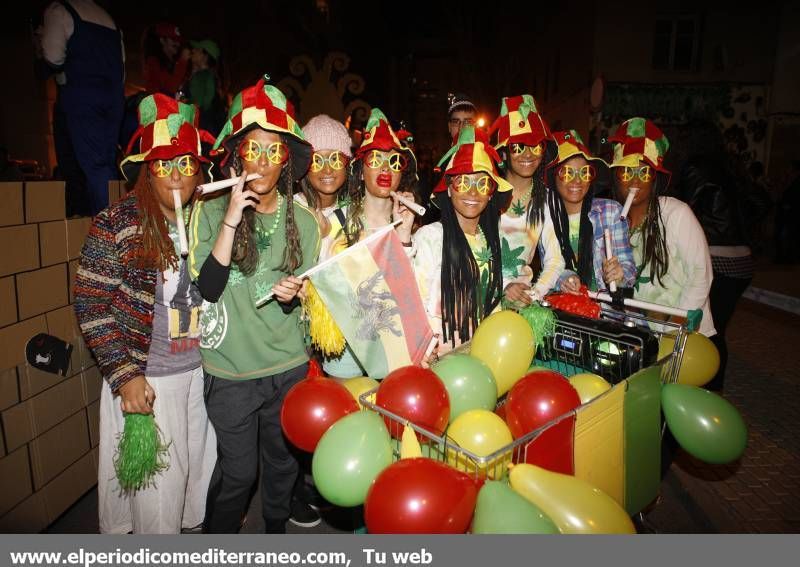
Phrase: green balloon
[350,455]
[469,383]
[500,510]
[704,424]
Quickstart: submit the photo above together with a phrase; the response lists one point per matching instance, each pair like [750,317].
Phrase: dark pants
[724,295]
[86,129]
[246,417]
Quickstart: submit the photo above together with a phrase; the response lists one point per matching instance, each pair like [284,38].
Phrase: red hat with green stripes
[167,129]
[472,153]
[520,123]
[378,135]
[263,106]
[638,139]
[570,145]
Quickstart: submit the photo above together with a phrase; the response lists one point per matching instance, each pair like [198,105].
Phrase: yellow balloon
[574,505]
[700,358]
[409,446]
[482,433]
[505,342]
[357,386]
[589,386]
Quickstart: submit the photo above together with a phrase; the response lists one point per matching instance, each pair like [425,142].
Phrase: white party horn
[609,254]
[206,188]
[628,202]
[410,203]
[184,244]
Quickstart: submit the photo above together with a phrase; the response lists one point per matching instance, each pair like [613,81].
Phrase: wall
[48,422]
[624,46]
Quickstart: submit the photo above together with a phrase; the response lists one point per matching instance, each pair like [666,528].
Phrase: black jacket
[719,200]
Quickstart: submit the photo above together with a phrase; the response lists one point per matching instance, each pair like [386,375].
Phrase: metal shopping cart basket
[613,441]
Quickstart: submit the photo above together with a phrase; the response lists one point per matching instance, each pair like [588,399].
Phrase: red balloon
[311,406]
[417,395]
[538,398]
[420,496]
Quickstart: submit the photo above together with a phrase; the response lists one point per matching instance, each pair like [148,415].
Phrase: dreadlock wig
[464,302]
[245,250]
[582,265]
[157,250]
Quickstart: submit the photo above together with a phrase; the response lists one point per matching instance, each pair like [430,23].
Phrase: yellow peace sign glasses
[519,149]
[276,152]
[628,173]
[336,161]
[586,174]
[483,184]
[376,158]
[187,165]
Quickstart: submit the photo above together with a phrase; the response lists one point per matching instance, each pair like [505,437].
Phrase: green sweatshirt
[238,340]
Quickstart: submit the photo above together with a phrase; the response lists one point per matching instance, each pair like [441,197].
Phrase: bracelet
[228,225]
[407,244]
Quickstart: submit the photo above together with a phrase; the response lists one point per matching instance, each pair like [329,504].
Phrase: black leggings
[725,294]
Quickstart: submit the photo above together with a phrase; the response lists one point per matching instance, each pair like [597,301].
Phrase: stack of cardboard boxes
[48,422]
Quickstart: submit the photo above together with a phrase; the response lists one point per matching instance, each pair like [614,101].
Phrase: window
[676,43]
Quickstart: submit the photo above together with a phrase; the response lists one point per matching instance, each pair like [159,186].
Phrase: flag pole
[322,265]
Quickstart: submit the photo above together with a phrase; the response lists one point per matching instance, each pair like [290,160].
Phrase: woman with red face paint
[381,166]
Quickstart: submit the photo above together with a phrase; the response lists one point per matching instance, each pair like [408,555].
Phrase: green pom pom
[141,453]
[542,320]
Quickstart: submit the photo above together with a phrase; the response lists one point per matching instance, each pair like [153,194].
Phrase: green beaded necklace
[518,208]
[264,237]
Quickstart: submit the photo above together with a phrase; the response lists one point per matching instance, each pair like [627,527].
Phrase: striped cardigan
[114,300]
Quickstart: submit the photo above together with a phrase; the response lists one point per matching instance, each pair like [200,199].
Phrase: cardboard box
[11,197]
[29,517]
[31,418]
[15,471]
[53,242]
[44,201]
[92,384]
[33,381]
[9,392]
[14,338]
[63,491]
[20,249]
[8,301]
[93,416]
[63,324]
[77,229]
[42,290]
[113,191]
[73,271]
[57,449]
[3,442]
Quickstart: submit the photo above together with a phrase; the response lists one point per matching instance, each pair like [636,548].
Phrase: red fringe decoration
[579,304]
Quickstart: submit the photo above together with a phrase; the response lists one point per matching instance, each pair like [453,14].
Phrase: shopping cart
[621,347]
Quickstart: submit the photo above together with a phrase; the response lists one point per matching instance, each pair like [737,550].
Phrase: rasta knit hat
[263,106]
[472,153]
[167,129]
[638,139]
[325,133]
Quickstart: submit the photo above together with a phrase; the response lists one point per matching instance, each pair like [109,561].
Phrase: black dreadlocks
[462,306]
